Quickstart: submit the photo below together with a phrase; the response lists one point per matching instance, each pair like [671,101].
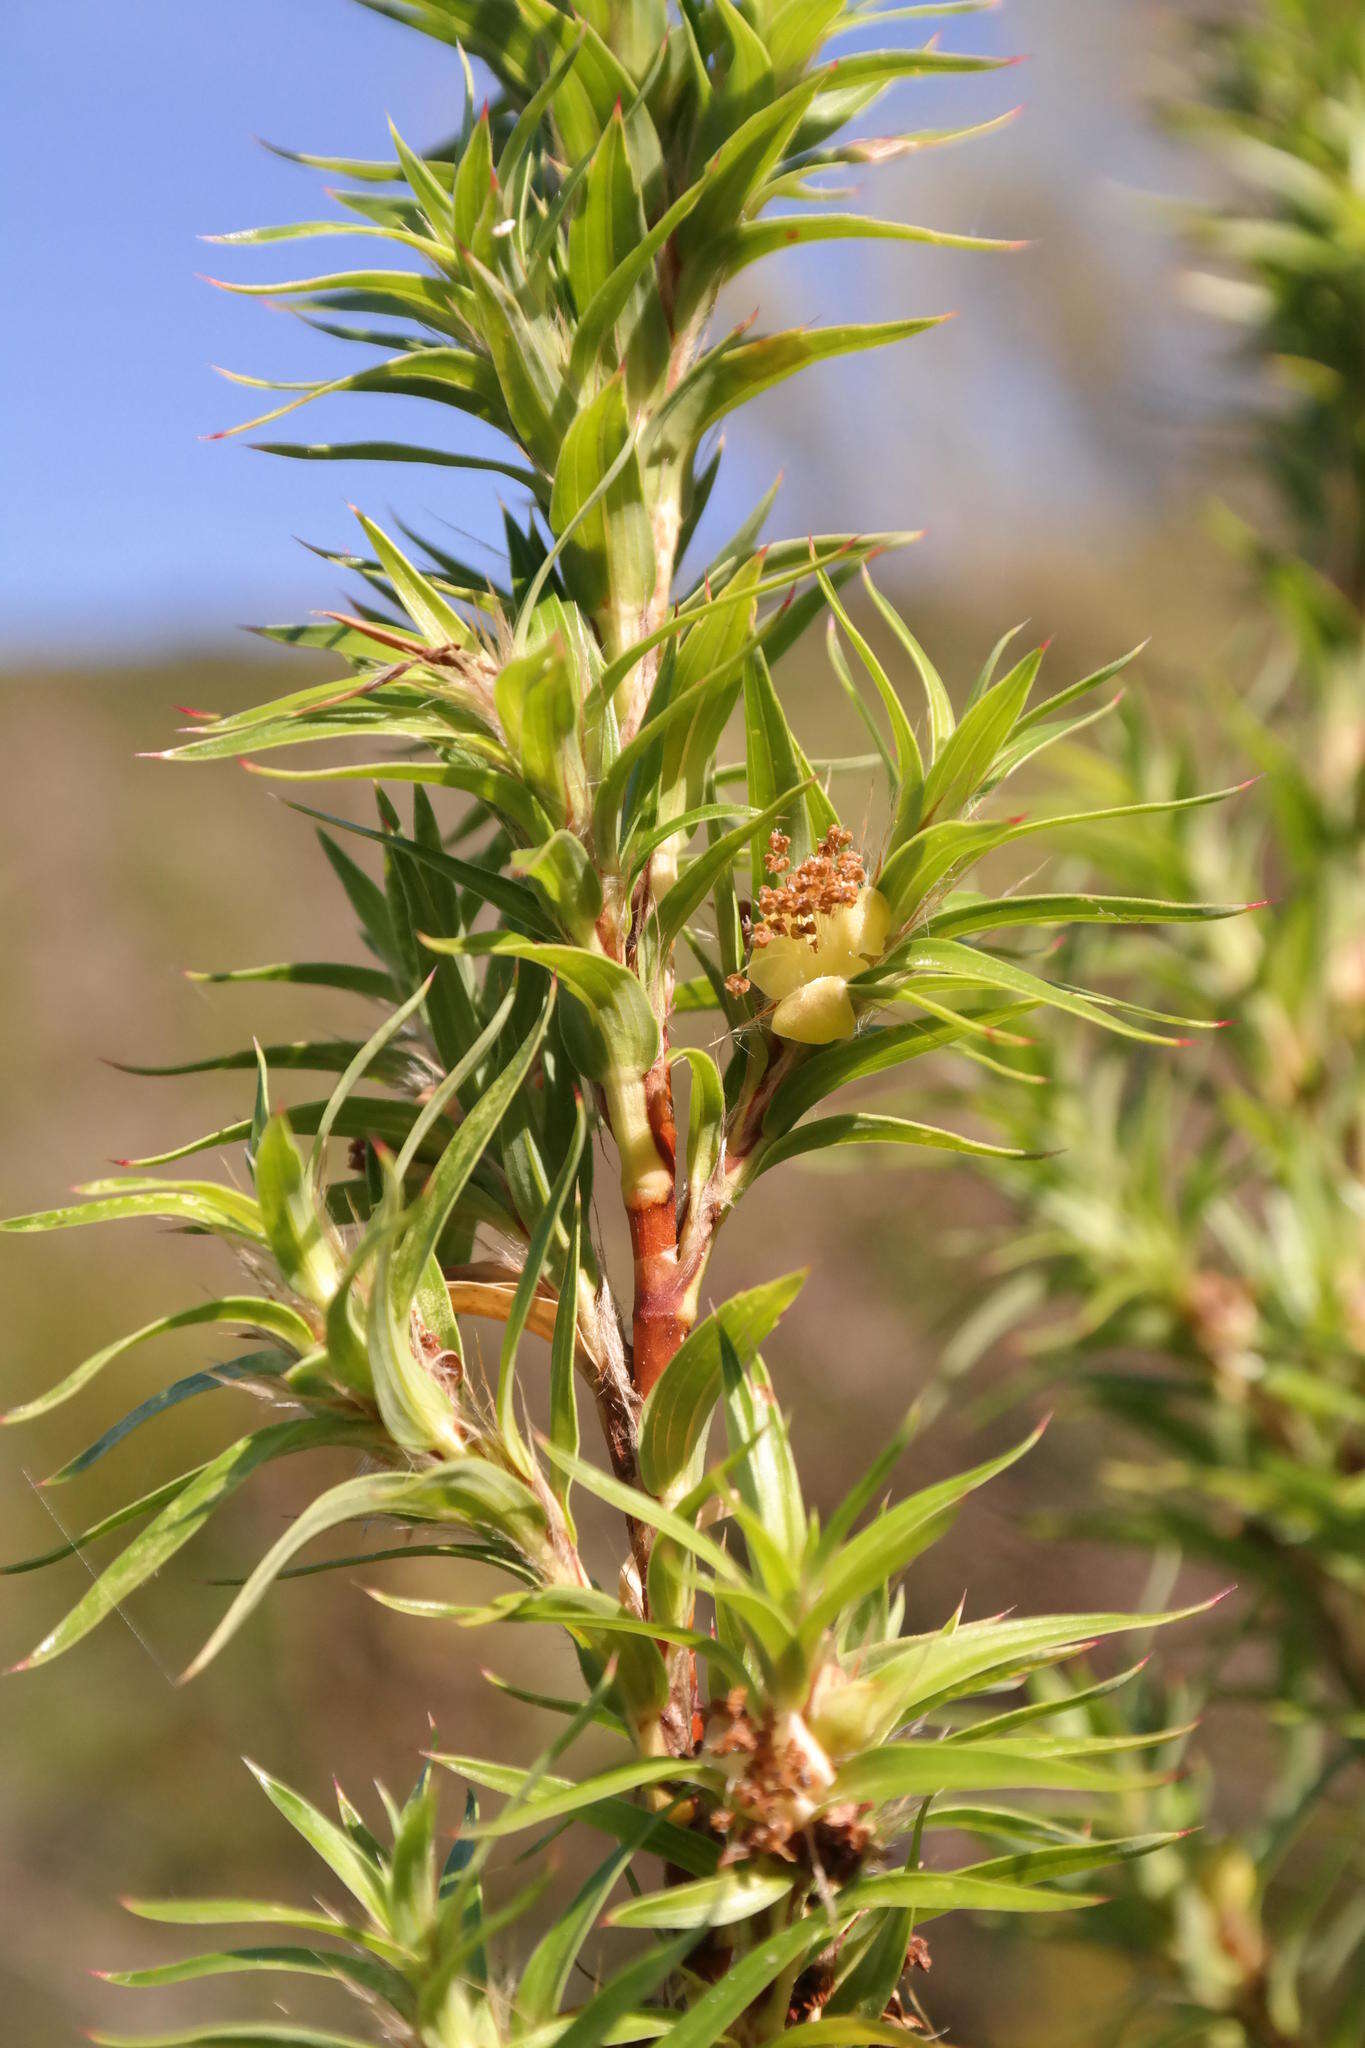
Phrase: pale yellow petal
[856,930]
[838,931]
[876,925]
[781,966]
[817,1014]
[840,964]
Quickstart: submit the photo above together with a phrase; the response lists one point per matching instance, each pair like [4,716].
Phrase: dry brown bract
[777,1777]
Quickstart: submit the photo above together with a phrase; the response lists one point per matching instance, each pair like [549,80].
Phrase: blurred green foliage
[1189,1263]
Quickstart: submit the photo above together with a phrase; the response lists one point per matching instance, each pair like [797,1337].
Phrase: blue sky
[128,133]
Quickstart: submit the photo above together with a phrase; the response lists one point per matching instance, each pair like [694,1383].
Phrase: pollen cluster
[829,880]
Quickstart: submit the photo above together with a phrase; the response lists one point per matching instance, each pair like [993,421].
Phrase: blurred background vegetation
[1060,441]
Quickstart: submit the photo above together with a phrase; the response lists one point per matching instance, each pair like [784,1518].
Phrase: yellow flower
[808,979]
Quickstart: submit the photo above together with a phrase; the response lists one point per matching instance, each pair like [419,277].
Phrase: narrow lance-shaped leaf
[184,1516]
[537,1254]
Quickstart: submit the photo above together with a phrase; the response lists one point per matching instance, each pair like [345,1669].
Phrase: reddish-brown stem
[657,1328]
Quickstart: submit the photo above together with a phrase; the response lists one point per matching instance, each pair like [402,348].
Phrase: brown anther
[737,984]
[775,860]
[826,881]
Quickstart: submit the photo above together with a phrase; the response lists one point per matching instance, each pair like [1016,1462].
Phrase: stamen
[829,880]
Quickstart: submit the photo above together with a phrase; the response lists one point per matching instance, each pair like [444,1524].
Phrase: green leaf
[432,1211]
[418,1404]
[957,918]
[709,1901]
[374,982]
[564,1430]
[327,1841]
[679,1406]
[533,1265]
[610,556]
[941,720]
[706,2022]
[513,899]
[291,1217]
[466,1069]
[951,1663]
[970,753]
[590,1616]
[198,1203]
[559,1800]
[368,1977]
[939,850]
[261,1912]
[545,1979]
[736,371]
[904,1770]
[971,968]
[680,719]
[599,2019]
[257,1365]
[567,879]
[184,1516]
[631,1501]
[539,706]
[863,1127]
[439,624]
[397,451]
[752,240]
[506,794]
[878,1552]
[246,1311]
[776,770]
[1064,1859]
[610,220]
[466,1490]
[873,1051]
[931,1892]
[627,1032]
[910,781]
[766,1477]
[705,1123]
